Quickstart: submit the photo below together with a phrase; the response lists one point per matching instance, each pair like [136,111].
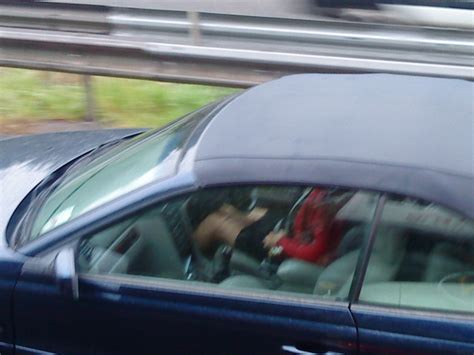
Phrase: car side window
[423,257]
[296,239]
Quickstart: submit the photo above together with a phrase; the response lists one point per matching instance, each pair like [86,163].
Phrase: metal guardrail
[219,49]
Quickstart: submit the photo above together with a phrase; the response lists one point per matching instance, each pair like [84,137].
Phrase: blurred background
[87,64]
[35,101]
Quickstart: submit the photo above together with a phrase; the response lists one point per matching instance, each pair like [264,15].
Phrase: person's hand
[228,209]
[256,214]
[272,239]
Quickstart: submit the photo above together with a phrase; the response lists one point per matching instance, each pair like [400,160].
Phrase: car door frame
[390,329]
[183,183]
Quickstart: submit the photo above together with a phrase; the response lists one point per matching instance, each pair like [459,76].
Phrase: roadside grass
[28,95]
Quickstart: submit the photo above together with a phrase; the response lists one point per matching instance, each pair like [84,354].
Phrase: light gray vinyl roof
[417,124]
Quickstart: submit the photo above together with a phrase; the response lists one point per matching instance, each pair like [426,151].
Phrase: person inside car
[312,237]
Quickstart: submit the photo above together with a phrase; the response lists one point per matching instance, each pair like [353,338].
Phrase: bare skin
[224,225]
[272,239]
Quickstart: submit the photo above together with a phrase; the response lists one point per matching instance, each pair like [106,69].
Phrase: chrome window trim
[204,289]
[412,312]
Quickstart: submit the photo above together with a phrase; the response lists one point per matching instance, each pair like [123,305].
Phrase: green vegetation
[27,95]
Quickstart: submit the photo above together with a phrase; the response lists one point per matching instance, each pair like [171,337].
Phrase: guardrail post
[194,30]
[89,99]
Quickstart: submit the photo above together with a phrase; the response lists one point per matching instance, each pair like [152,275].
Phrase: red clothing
[313,236]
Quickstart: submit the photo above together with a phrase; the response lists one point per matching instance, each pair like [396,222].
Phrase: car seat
[386,256]
[294,275]
[447,258]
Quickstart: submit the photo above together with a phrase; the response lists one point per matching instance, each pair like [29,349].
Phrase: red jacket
[314,236]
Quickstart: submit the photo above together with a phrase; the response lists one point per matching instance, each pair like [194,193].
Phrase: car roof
[411,121]
[418,125]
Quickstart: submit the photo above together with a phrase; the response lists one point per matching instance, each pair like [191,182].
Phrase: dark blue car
[315,214]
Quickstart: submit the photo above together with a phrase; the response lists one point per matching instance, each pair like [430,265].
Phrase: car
[101,252]
[444,14]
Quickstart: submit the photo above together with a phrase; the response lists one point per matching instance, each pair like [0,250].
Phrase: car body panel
[190,320]
[413,331]
[67,329]
[10,267]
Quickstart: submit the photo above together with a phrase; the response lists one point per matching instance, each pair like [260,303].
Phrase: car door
[425,301]
[46,319]
[152,294]
[10,265]
[144,287]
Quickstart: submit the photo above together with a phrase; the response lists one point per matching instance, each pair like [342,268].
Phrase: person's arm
[311,251]
[319,242]
[272,238]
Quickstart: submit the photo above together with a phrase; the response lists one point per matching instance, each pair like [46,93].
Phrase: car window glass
[111,176]
[272,239]
[423,257]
